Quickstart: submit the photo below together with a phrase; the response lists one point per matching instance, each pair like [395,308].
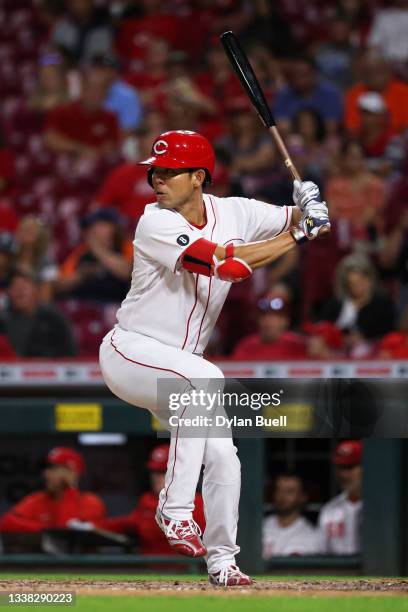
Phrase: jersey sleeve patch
[163,237]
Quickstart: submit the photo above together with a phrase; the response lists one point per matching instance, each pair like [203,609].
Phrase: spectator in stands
[122,99]
[84,128]
[376,76]
[59,502]
[357,197]
[287,532]
[310,145]
[218,83]
[150,79]
[339,523]
[181,88]
[83,31]
[306,90]
[126,188]
[273,340]
[375,131]
[336,56]
[324,340]
[360,309]
[34,329]
[249,149]
[141,521]
[153,19]
[52,84]
[33,242]
[389,33]
[99,269]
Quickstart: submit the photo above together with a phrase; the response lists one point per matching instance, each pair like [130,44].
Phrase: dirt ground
[326,588]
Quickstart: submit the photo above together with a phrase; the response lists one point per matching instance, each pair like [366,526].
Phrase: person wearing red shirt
[273,340]
[135,32]
[125,188]
[84,127]
[59,502]
[142,519]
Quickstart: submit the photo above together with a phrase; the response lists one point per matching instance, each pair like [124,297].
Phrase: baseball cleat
[183,536]
[229,576]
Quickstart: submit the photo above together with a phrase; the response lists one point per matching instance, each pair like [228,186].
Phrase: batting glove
[315,216]
[305,192]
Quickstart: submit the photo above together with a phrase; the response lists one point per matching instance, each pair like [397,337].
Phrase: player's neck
[194,209]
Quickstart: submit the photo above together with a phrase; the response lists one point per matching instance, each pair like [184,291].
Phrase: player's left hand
[305,192]
[314,217]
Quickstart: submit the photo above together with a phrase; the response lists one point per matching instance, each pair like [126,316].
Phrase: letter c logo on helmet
[160,147]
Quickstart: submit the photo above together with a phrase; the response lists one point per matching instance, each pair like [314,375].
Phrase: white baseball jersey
[339,526]
[299,538]
[177,307]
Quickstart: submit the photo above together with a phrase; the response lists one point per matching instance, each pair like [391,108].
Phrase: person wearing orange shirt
[99,268]
[141,520]
[59,502]
[357,196]
[377,77]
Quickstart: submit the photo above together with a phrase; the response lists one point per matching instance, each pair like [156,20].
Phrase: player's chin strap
[231,269]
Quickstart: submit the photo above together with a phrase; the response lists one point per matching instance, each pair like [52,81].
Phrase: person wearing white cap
[375,131]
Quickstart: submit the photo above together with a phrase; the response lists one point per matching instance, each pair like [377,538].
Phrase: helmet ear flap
[150,177]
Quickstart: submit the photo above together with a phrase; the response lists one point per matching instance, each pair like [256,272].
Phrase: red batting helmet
[349,452]
[68,457]
[157,461]
[182,149]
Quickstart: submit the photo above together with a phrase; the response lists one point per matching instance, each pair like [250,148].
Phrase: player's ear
[198,177]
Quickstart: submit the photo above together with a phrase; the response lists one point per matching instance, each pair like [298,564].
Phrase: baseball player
[188,249]
[287,532]
[340,519]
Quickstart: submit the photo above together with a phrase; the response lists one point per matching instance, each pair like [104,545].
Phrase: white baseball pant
[131,365]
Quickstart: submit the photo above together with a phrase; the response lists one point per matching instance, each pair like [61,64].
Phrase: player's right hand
[305,192]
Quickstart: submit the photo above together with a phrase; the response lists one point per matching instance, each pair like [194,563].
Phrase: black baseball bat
[250,83]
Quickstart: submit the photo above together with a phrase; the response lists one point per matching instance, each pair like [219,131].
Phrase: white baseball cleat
[183,536]
[229,576]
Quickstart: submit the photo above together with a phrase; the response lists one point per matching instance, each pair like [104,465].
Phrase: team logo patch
[160,147]
[183,240]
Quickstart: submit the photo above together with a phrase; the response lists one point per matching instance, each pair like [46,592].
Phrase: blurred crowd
[60,513]
[85,87]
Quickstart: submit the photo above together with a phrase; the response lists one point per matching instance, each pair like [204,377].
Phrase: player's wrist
[298,235]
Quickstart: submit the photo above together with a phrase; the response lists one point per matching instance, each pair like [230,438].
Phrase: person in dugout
[141,520]
[59,502]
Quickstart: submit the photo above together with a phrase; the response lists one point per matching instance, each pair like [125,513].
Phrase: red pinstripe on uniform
[191,313]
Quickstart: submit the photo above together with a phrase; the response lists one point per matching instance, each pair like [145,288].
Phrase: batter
[188,249]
